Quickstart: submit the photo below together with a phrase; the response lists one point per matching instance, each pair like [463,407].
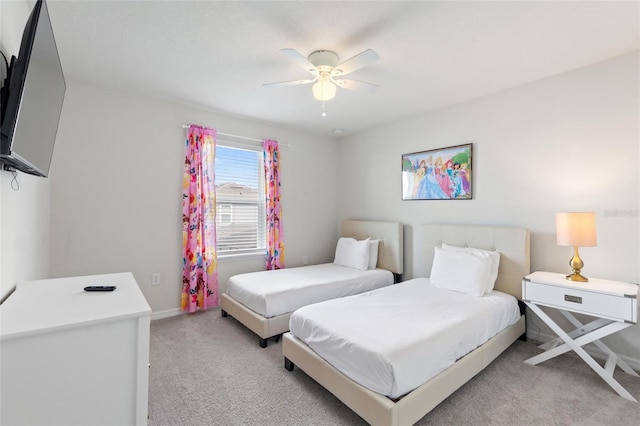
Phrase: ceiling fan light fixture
[324,90]
[324,66]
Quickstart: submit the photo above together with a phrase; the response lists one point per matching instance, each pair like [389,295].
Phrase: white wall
[565,143]
[117,188]
[25,200]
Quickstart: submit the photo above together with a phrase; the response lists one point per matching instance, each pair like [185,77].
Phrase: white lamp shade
[576,229]
[324,90]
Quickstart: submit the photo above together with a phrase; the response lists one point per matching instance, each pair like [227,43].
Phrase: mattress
[281,291]
[395,339]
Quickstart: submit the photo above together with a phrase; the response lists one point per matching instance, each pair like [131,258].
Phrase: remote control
[100,288]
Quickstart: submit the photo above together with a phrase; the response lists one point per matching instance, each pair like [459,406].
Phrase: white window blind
[240,200]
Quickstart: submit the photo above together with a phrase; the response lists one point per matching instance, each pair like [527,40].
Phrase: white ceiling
[217,54]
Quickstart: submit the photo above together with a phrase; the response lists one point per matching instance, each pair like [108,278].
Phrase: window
[240,200]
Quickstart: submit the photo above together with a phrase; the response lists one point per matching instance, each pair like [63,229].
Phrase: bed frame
[377,409]
[390,257]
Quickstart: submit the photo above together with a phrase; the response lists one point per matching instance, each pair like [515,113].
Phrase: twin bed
[263,301]
[394,353]
[389,362]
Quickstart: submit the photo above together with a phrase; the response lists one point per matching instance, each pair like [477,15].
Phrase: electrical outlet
[305,260]
[155,278]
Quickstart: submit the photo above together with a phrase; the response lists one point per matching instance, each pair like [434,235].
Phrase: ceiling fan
[327,72]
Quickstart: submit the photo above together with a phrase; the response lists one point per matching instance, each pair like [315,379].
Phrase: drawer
[603,305]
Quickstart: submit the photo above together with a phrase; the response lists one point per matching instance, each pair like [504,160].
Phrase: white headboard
[512,243]
[390,250]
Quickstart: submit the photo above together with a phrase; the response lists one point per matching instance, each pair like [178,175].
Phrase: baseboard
[166,314]
[592,350]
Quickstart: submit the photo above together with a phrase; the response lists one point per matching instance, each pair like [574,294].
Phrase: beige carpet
[209,370]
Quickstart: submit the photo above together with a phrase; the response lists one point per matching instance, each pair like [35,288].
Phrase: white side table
[614,305]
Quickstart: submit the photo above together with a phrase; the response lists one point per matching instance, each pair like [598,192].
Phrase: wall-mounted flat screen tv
[32,98]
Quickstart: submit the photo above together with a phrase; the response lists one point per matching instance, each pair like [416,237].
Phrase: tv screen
[34,99]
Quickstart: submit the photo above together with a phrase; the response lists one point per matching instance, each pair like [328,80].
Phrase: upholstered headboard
[390,249]
[512,243]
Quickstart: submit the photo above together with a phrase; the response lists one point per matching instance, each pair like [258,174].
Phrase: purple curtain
[200,272]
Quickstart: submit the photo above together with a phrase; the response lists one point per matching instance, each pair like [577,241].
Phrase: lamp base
[576,266]
[576,276]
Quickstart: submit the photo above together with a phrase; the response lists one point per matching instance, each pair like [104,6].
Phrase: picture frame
[438,174]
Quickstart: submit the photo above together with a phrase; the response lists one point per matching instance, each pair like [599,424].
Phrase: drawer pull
[574,299]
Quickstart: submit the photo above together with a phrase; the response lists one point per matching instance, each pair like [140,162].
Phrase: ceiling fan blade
[300,60]
[349,84]
[291,82]
[362,59]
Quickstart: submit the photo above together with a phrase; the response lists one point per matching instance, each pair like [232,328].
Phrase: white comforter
[395,339]
[272,293]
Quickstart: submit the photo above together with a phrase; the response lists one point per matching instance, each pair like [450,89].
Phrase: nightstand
[614,305]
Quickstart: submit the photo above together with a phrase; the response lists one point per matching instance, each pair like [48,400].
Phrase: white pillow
[373,253]
[495,262]
[461,271]
[352,253]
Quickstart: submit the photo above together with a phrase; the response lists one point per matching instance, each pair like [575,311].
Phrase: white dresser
[71,357]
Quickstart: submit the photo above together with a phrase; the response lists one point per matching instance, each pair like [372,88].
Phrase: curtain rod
[186,126]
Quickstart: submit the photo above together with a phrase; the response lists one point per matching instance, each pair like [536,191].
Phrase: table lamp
[576,229]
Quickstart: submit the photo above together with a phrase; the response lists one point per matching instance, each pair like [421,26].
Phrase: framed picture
[438,174]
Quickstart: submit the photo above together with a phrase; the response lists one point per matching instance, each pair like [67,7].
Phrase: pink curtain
[200,272]
[275,234]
